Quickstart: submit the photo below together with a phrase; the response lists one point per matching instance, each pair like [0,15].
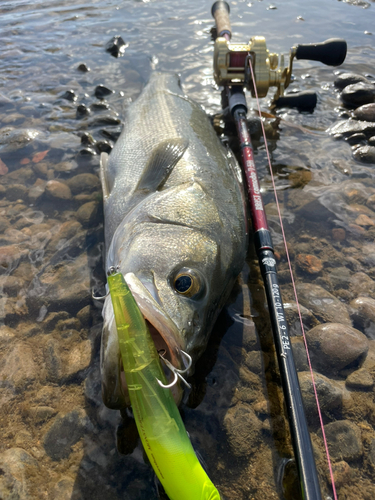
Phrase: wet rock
[41,414]
[346,79]
[78,360]
[50,321]
[64,166]
[365,154]
[82,110]
[69,95]
[18,369]
[52,360]
[365,112]
[87,139]
[101,91]
[362,285]
[256,361]
[84,183]
[243,430]
[87,213]
[358,94]
[65,431]
[17,468]
[371,141]
[87,152]
[342,473]
[64,490]
[105,120]
[36,192]
[371,455]
[363,315]
[340,277]
[13,139]
[64,234]
[11,285]
[309,263]
[58,190]
[84,315]
[360,380]
[104,146]
[347,128]
[344,438]
[83,67]
[15,192]
[292,318]
[6,335]
[324,306]
[329,393]
[100,106]
[356,139]
[334,346]
[116,46]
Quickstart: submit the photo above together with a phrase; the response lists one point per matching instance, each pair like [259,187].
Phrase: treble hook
[102,297]
[176,371]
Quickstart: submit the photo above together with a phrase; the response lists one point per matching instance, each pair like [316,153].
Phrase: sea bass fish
[175,217]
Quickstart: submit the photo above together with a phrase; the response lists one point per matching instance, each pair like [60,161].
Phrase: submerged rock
[334,346]
[344,438]
[329,393]
[360,380]
[116,46]
[243,430]
[346,79]
[13,139]
[365,112]
[324,306]
[17,468]
[58,190]
[349,127]
[292,318]
[363,315]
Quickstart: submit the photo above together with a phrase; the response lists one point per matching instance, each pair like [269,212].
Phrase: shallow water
[58,440]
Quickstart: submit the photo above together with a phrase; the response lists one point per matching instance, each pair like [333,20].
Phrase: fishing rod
[252,66]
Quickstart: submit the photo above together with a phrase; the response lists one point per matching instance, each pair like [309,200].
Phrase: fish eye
[187,283]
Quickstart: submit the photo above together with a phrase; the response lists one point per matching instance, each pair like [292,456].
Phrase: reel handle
[220,12]
[332,52]
[303,101]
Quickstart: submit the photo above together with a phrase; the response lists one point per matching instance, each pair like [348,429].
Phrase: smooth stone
[364,154]
[309,263]
[360,380]
[69,95]
[101,91]
[325,307]
[340,277]
[87,213]
[50,321]
[333,346]
[329,393]
[18,368]
[17,469]
[358,94]
[84,182]
[346,79]
[105,120]
[347,128]
[243,430]
[65,431]
[78,360]
[64,490]
[83,67]
[58,190]
[344,438]
[365,112]
[356,139]
[82,110]
[256,361]
[371,141]
[342,473]
[40,414]
[363,315]
[299,354]
[361,285]
[104,146]
[65,233]
[293,320]
[36,192]
[13,139]
[116,46]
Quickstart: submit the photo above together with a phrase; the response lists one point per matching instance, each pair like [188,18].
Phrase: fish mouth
[164,332]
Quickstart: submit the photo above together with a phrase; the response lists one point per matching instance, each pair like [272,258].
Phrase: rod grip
[332,52]
[220,12]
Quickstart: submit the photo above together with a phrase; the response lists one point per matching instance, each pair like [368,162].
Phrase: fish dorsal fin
[161,163]
[103,174]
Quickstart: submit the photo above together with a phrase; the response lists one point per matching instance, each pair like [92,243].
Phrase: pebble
[344,438]
[83,67]
[330,394]
[360,380]
[365,112]
[84,183]
[342,473]
[371,141]
[40,414]
[82,110]
[364,154]
[69,95]
[116,46]
[347,128]
[243,430]
[36,192]
[364,220]
[78,360]
[58,190]
[346,79]
[87,213]
[363,315]
[325,307]
[65,431]
[13,139]
[16,192]
[101,91]
[358,94]
[17,470]
[18,368]
[356,139]
[292,318]
[361,285]
[64,490]
[309,263]
[333,346]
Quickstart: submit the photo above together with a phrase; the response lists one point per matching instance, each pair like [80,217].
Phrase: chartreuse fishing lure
[159,423]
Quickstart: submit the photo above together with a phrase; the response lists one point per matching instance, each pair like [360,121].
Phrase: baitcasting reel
[231,61]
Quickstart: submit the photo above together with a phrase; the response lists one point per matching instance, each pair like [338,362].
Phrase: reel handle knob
[220,12]
[332,52]
[303,101]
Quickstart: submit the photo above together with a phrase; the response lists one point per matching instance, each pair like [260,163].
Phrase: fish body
[175,218]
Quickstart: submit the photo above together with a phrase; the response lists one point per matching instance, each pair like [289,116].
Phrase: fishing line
[294,287]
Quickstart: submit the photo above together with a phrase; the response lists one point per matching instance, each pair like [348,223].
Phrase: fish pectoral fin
[103,174]
[161,163]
